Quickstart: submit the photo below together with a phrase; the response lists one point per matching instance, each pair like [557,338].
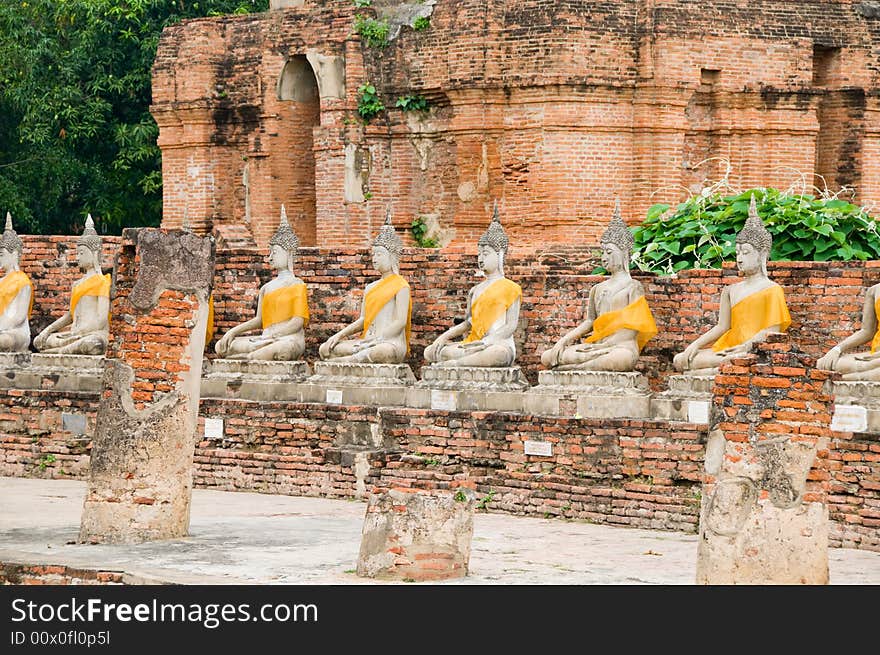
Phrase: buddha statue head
[284,245]
[11,247]
[753,244]
[387,247]
[492,246]
[88,247]
[617,243]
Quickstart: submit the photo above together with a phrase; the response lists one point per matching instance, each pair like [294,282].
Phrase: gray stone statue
[619,322]
[492,312]
[865,365]
[89,312]
[16,294]
[749,310]
[282,309]
[383,327]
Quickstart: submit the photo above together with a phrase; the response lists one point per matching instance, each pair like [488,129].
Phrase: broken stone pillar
[140,478]
[417,535]
[763,518]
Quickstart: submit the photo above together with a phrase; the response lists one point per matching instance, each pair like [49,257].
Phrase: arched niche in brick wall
[292,155]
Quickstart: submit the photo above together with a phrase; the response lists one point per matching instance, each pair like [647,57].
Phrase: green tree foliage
[76,135]
[701,232]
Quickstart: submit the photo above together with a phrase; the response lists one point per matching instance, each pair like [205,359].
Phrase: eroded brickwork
[554,108]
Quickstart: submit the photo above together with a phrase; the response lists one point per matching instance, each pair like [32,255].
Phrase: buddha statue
[282,309]
[16,294]
[749,310]
[492,312]
[381,333]
[89,312]
[619,322]
[859,366]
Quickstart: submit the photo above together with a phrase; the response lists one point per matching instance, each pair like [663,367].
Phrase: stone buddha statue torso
[864,365]
[619,322]
[16,294]
[384,324]
[492,312]
[89,313]
[749,310]
[282,309]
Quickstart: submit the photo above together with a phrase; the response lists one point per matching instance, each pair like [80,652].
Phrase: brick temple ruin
[554,108]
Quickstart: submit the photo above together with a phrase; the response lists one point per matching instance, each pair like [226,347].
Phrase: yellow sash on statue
[754,313]
[285,303]
[492,303]
[209,331]
[379,295]
[875,342]
[10,285]
[95,285]
[635,316]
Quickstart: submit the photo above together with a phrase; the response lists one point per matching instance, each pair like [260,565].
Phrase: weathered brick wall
[52,574]
[554,108]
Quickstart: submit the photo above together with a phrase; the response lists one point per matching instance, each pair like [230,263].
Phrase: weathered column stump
[417,535]
[140,478]
[763,516]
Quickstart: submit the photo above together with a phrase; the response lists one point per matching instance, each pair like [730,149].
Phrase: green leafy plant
[419,230]
[421,23]
[45,461]
[459,496]
[412,103]
[369,103]
[701,231]
[485,500]
[362,3]
[374,32]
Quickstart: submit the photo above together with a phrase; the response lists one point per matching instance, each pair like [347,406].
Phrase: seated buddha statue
[381,333]
[492,312]
[749,310]
[618,323]
[89,312]
[16,294]
[282,309]
[864,365]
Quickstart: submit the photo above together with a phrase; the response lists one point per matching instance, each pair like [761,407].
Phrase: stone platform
[352,383]
[464,388]
[590,394]
[57,372]
[688,398]
[861,400]
[253,380]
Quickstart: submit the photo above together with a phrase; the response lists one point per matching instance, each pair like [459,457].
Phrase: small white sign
[698,411]
[334,396]
[850,418]
[443,400]
[540,448]
[213,428]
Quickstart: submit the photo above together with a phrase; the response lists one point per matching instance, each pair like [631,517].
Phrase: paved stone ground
[259,538]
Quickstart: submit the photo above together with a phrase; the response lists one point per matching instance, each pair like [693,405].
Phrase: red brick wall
[42,574]
[553,108]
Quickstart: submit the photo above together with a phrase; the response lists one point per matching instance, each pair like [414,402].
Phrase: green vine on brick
[701,231]
[360,4]
[421,23]
[419,230]
[413,103]
[369,103]
[373,32]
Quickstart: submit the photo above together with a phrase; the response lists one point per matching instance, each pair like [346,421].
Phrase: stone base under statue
[253,379]
[856,395]
[351,383]
[51,372]
[468,388]
[590,394]
[688,398]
